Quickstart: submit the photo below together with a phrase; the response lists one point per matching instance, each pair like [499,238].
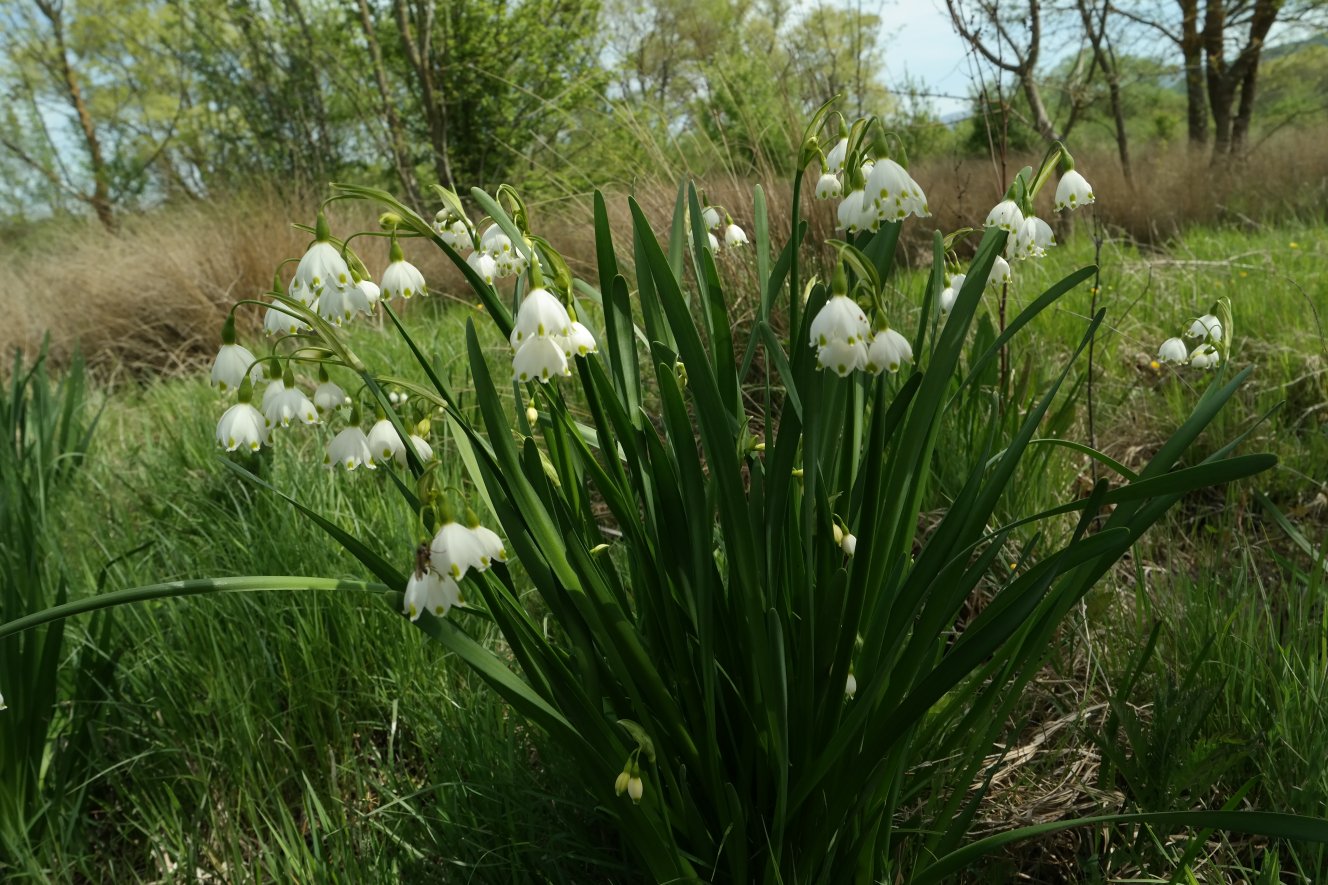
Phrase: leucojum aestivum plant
[744,644]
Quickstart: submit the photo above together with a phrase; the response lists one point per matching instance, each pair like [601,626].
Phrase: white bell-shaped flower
[849,543]
[734,236]
[322,267]
[1000,273]
[349,449]
[842,357]
[274,389]
[281,320]
[1205,356]
[945,299]
[402,279]
[850,686]
[580,342]
[429,592]
[1207,327]
[1073,191]
[456,549]
[495,242]
[290,405]
[834,160]
[828,186]
[328,397]
[713,242]
[241,427]
[1006,216]
[1034,238]
[541,315]
[888,351]
[1173,350]
[893,193]
[856,213]
[539,359]
[710,217]
[511,263]
[453,231]
[422,449]
[384,442]
[484,266]
[490,544]
[840,319]
[233,362]
[371,294]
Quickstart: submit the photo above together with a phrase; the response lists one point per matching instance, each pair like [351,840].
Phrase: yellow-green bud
[389,221]
[620,785]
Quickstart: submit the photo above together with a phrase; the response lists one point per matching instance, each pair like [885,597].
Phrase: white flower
[842,356]
[635,788]
[273,390]
[278,319]
[856,213]
[453,231]
[828,186]
[402,279]
[422,449]
[483,265]
[945,299]
[539,359]
[714,242]
[888,350]
[288,405]
[429,592]
[839,320]
[456,549]
[1173,350]
[1006,216]
[384,442]
[495,242]
[232,363]
[1207,327]
[491,544]
[710,216]
[1000,273]
[241,426]
[541,315]
[369,289]
[510,263]
[834,160]
[328,396]
[321,267]
[850,686]
[893,193]
[1205,356]
[580,342]
[1073,191]
[3,705]
[1033,239]
[350,449]
[734,236]
[340,304]
[849,544]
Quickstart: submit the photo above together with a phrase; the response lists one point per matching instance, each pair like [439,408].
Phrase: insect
[422,561]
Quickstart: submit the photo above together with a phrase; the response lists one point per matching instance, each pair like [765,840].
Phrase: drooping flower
[289,404]
[483,265]
[580,342]
[279,319]
[422,449]
[635,787]
[490,544]
[828,186]
[1205,356]
[710,217]
[850,686]
[834,160]
[321,267]
[849,543]
[539,359]
[402,279]
[856,212]
[431,592]
[713,242]
[384,442]
[734,236]
[887,352]
[541,315]
[371,292]
[892,192]
[840,333]
[327,395]
[453,231]
[456,549]
[495,242]
[1006,216]
[1207,327]
[945,299]
[233,363]
[242,426]
[1073,191]
[1173,350]
[350,449]
[1000,273]
[620,783]
[1033,239]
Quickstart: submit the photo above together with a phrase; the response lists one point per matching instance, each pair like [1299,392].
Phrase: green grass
[318,737]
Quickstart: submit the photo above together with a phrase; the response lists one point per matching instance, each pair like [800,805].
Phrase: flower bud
[620,785]
[635,789]
[389,221]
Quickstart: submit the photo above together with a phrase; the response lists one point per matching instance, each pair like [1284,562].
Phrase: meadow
[316,735]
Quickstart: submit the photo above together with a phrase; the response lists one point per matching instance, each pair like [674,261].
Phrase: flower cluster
[441,564]
[545,338]
[1207,353]
[878,188]
[845,342]
[732,235]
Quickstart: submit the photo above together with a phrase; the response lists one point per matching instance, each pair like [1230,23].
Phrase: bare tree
[396,138]
[1095,20]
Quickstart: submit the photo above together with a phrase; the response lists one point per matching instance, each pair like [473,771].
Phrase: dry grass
[151,298]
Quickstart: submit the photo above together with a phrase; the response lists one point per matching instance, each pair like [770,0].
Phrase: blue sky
[919,42]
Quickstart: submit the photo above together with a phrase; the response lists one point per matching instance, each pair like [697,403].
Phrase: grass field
[316,736]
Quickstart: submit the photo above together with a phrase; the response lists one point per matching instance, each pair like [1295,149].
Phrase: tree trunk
[1191,49]
[419,53]
[1106,60]
[100,198]
[405,169]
